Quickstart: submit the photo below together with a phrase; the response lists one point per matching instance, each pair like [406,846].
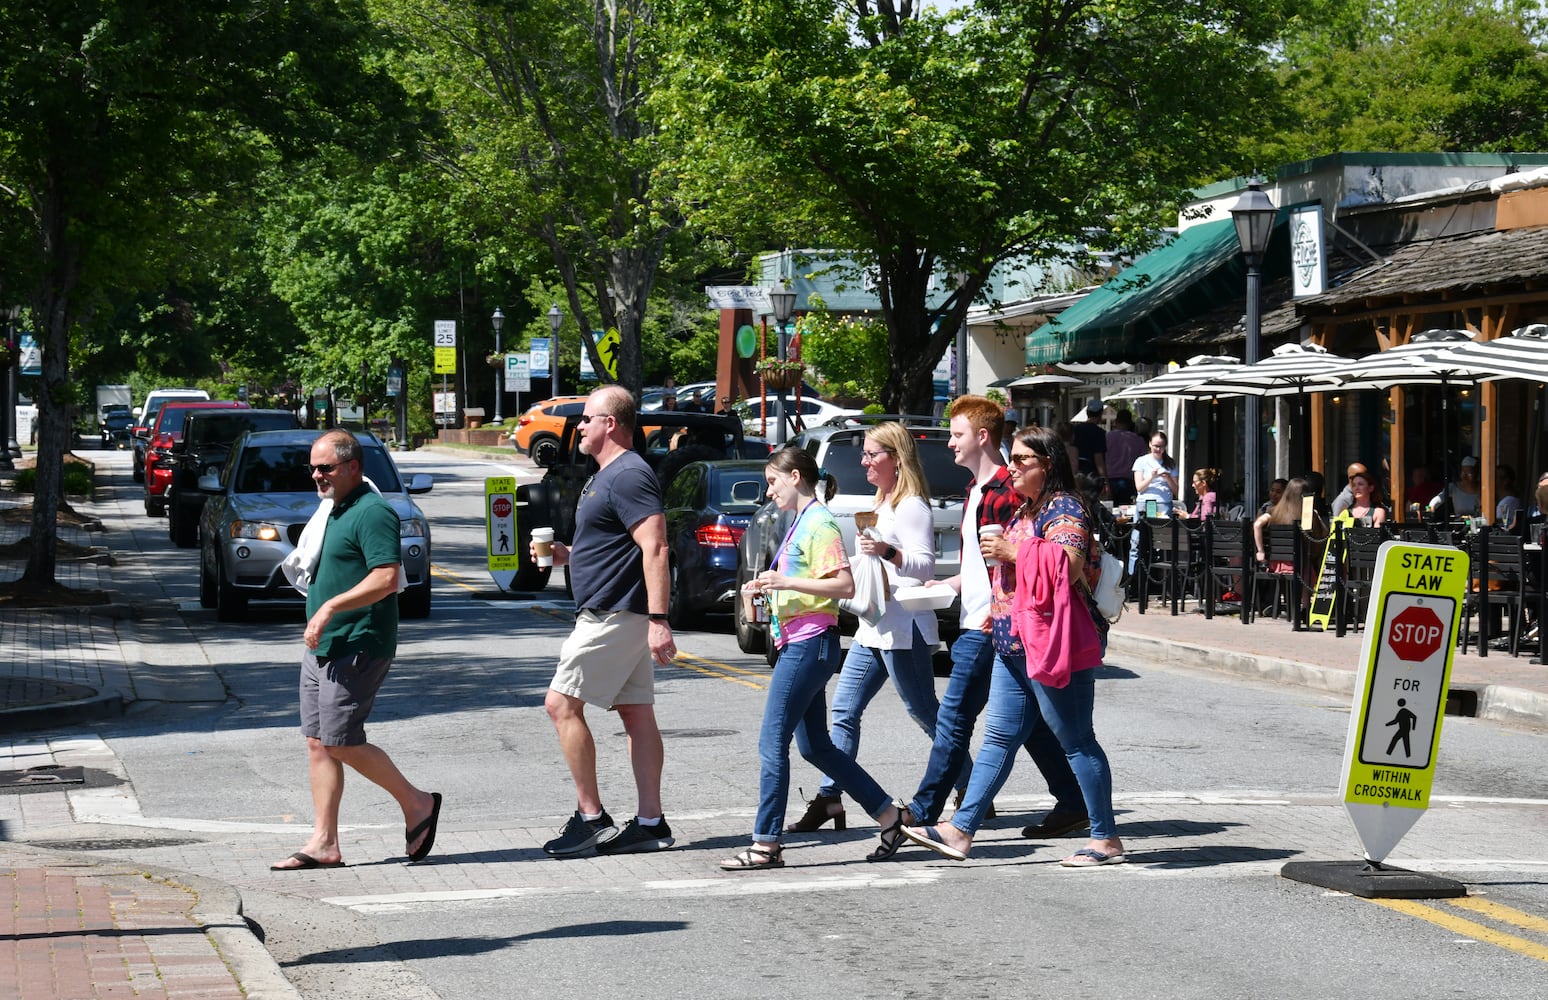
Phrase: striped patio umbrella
[1523,355]
[1177,384]
[1290,369]
[1432,357]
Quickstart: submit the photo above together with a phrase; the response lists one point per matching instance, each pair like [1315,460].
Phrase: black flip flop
[428,825]
[307,862]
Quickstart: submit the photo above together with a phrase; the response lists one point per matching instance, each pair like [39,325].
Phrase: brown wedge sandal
[755,857]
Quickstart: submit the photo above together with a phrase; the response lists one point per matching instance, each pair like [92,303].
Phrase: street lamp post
[365,396]
[782,300]
[1254,216]
[555,317]
[8,379]
[498,321]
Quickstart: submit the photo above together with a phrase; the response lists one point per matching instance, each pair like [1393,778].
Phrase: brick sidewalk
[75,930]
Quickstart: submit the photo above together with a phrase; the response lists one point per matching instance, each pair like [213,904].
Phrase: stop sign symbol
[1415,634]
[501,507]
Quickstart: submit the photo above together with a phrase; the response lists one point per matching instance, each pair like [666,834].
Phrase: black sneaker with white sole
[581,834]
[637,838]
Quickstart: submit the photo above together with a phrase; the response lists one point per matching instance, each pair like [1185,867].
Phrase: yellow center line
[721,666]
[1465,927]
[720,671]
[1501,913]
[451,577]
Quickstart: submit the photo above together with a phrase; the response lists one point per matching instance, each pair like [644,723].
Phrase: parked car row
[236,483]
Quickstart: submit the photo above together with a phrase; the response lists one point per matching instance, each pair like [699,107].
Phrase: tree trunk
[51,316]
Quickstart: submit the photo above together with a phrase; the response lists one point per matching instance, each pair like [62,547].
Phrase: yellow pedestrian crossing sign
[500,523]
[1400,693]
[607,350]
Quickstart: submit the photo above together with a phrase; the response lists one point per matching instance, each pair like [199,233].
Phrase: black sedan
[708,506]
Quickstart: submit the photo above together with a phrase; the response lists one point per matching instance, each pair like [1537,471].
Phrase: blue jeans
[865,671]
[1016,705]
[967,691]
[796,708]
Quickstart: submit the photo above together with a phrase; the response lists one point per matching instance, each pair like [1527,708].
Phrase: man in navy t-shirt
[618,572]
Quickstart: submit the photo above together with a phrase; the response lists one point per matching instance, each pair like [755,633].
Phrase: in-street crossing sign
[1400,694]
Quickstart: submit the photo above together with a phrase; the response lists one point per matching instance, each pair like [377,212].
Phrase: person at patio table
[1123,447]
[1460,499]
[1507,509]
[1204,483]
[1155,478]
[1366,507]
[1345,496]
[1287,511]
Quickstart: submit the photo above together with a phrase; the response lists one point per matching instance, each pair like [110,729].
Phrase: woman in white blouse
[899,645]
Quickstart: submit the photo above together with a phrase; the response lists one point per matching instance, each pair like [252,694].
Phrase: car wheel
[139,471]
[415,602]
[183,527]
[230,604]
[678,612]
[750,637]
[206,587]
[154,507]
[544,450]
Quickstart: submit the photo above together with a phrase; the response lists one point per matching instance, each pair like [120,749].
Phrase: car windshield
[224,428]
[282,468]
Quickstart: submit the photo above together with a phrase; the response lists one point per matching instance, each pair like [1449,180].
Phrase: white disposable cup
[543,546]
[991,531]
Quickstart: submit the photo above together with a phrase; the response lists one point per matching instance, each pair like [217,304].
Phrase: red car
[170,422]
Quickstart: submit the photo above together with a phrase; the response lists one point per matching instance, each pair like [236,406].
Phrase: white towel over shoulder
[300,567]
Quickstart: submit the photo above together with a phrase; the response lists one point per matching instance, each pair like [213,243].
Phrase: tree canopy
[940,144]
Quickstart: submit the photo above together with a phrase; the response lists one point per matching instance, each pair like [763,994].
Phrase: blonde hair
[911,479]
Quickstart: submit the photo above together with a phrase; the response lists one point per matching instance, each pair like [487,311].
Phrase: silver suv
[837,447]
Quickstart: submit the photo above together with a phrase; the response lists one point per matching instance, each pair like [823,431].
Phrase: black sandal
[892,836]
[755,857]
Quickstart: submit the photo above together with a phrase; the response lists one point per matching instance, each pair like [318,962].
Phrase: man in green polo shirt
[351,637]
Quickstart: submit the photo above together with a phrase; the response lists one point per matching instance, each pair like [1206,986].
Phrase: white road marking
[762,884]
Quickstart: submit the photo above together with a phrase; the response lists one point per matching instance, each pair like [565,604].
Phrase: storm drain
[116,843]
[44,775]
[56,778]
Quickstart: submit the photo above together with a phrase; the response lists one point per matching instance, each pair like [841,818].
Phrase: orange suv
[539,429]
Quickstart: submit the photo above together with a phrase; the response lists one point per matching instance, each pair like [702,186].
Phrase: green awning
[1198,270]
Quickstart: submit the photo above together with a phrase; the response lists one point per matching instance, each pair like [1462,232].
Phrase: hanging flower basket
[781,374]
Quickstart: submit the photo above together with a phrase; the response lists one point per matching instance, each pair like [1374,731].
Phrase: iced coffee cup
[543,546]
[865,519]
[991,531]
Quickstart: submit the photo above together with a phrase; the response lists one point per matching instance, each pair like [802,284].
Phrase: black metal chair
[1360,547]
[1281,548]
[1225,562]
[1496,578]
[1174,560]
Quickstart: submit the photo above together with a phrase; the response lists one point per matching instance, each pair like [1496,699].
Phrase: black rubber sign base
[1372,880]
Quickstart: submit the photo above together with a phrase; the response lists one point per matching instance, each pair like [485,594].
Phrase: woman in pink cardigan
[1048,640]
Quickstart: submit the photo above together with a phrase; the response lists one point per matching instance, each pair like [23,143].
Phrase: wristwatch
[657,618]
[890,554]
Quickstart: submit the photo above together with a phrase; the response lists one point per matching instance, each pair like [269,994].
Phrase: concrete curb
[61,714]
[1496,702]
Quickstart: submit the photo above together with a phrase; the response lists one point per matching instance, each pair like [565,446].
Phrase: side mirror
[421,482]
[209,484]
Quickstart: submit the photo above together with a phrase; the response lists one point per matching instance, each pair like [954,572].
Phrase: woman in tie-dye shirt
[807,580]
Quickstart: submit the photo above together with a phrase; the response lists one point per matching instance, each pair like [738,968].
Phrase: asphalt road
[1218,784]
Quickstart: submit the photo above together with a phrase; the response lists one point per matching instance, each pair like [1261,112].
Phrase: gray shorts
[606,661]
[337,695]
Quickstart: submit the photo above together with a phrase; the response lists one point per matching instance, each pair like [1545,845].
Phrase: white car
[809,413]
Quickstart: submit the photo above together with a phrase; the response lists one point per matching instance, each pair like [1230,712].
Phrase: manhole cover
[116,843]
[43,774]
